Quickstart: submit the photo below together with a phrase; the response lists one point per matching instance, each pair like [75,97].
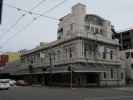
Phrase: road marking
[125,89]
[105,98]
[86,99]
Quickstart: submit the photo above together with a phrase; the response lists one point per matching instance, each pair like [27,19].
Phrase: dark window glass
[70,52]
[30,68]
[60,33]
[85,50]
[111,54]
[127,55]
[122,75]
[104,53]
[112,73]
[71,26]
[132,55]
[104,75]
[132,66]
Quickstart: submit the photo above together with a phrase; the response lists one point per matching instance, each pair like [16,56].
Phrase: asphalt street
[53,93]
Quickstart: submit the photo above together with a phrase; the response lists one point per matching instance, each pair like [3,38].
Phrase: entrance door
[92,78]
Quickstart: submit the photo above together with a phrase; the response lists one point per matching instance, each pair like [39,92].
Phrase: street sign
[1,4]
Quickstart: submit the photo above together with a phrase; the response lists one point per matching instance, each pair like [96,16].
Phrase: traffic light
[1,4]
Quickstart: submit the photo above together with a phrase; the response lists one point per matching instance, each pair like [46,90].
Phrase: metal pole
[71,83]
[121,41]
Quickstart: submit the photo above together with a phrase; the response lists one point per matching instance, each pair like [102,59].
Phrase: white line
[105,98]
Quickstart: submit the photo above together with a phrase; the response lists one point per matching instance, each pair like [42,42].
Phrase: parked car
[4,84]
[23,83]
[12,82]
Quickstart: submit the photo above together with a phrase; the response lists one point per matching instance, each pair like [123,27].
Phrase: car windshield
[4,82]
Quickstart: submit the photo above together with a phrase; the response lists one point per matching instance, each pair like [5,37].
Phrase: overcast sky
[119,12]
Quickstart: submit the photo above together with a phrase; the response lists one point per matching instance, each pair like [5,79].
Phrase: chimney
[79,9]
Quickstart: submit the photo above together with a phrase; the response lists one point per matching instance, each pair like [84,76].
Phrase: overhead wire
[25,27]
[31,12]
[34,19]
[20,18]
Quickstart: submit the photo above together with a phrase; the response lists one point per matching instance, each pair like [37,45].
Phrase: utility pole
[71,76]
[50,63]
[1,4]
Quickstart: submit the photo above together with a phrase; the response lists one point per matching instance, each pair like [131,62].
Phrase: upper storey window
[95,29]
[60,33]
[94,24]
[94,19]
[71,26]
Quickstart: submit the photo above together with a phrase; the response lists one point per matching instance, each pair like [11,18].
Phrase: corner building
[84,54]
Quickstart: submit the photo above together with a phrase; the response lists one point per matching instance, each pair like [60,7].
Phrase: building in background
[3,59]
[8,57]
[10,62]
[12,56]
[126,50]
[84,54]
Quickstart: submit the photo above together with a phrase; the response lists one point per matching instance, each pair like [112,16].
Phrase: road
[52,93]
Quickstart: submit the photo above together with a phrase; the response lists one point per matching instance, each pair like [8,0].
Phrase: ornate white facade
[84,46]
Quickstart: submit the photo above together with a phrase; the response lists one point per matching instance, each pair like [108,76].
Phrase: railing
[99,38]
